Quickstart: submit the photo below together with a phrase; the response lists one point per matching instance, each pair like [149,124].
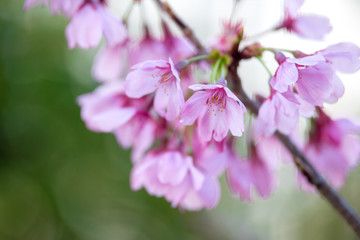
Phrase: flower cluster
[183,121]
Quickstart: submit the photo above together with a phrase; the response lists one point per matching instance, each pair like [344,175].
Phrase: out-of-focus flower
[333,149]
[245,174]
[343,57]
[90,22]
[162,77]
[307,26]
[172,175]
[288,70]
[231,33]
[217,109]
[280,112]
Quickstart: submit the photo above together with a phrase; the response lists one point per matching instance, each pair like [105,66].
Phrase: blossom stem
[274,50]
[198,58]
[264,65]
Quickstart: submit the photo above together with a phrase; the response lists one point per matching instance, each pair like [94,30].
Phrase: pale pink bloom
[343,57]
[278,112]
[333,149]
[318,84]
[245,174]
[272,151]
[88,25]
[307,26]
[217,109]
[161,77]
[209,157]
[172,175]
[313,77]
[288,70]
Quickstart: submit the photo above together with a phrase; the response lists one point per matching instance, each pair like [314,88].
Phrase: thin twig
[302,163]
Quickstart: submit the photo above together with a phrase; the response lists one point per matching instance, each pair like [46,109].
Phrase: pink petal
[139,83]
[312,26]
[108,121]
[293,6]
[168,100]
[172,168]
[263,179]
[315,84]
[286,114]
[114,30]
[338,90]
[239,179]
[213,124]
[144,140]
[308,60]
[343,56]
[193,107]
[235,117]
[265,122]
[108,64]
[285,75]
[85,29]
[210,192]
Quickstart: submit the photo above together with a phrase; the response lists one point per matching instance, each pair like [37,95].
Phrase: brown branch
[184,28]
[302,163]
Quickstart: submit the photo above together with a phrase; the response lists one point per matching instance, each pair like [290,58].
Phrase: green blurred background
[58,180]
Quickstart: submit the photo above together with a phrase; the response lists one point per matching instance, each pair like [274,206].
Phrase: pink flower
[288,70]
[172,175]
[308,26]
[243,175]
[217,110]
[88,25]
[162,77]
[333,149]
[318,84]
[313,77]
[278,112]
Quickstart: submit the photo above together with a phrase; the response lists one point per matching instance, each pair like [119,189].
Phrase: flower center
[216,103]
